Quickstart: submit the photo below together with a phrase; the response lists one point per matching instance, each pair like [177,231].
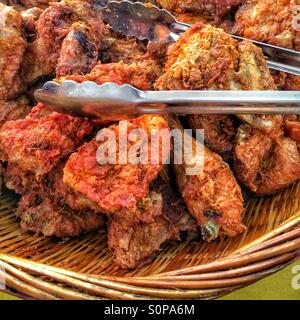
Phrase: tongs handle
[91,100]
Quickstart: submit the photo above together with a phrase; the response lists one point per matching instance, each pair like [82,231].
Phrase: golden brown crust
[112,187]
[206,57]
[12,48]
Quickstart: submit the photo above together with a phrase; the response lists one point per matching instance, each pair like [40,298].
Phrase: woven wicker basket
[83,268]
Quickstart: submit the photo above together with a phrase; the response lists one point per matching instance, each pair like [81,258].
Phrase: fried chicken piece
[269,21]
[12,48]
[292,127]
[13,110]
[219,132]
[205,57]
[79,51]
[100,176]
[41,213]
[51,48]
[120,48]
[211,192]
[264,164]
[210,9]
[134,243]
[138,74]
[37,144]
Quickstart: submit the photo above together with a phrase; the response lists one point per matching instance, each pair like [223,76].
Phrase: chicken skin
[103,179]
[37,144]
[134,243]
[12,48]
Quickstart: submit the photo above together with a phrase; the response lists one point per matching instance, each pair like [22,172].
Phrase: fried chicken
[265,164]
[40,213]
[36,144]
[219,132]
[212,194]
[100,176]
[134,243]
[209,9]
[120,48]
[138,75]
[63,27]
[268,21]
[12,48]
[205,57]
[13,110]
[271,22]
[292,127]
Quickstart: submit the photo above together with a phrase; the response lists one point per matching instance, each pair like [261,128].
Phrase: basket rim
[266,255]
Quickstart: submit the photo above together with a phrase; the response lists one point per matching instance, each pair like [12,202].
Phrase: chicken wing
[212,195]
[12,48]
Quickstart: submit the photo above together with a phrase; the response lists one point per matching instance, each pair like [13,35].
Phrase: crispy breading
[138,74]
[269,21]
[37,144]
[134,243]
[63,27]
[292,127]
[40,213]
[206,57]
[12,48]
[266,164]
[13,110]
[115,186]
[212,195]
[272,22]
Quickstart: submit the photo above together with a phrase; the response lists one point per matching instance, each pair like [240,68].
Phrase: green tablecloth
[276,286]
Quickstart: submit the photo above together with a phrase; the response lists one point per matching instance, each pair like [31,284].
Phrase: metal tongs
[143,22]
[90,100]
